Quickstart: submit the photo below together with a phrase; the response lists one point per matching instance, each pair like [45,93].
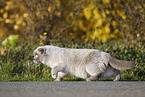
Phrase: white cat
[89,64]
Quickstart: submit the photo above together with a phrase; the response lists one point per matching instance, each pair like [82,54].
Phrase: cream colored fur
[89,64]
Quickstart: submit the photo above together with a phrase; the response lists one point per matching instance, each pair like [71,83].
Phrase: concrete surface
[72,89]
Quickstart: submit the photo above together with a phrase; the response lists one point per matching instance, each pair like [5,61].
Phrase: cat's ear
[41,50]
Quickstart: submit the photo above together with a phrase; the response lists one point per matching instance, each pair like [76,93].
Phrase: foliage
[99,20]
[103,20]
[11,40]
[13,18]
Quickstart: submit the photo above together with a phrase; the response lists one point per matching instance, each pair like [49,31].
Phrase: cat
[89,64]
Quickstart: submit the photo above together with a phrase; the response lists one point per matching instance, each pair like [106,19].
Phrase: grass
[16,63]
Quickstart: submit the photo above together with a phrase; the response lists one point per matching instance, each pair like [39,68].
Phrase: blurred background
[114,26]
[99,20]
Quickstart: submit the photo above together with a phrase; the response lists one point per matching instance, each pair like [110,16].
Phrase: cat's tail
[120,64]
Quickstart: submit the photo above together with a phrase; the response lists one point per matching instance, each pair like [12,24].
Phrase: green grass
[16,64]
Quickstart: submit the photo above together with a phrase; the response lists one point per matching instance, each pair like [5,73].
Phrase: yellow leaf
[112,36]
[82,26]
[124,25]
[114,23]
[99,22]
[9,3]
[123,17]
[104,15]
[1,19]
[1,10]
[107,11]
[87,13]
[49,9]
[58,13]
[58,4]
[24,23]
[115,31]
[97,34]
[106,1]
[107,28]
[19,21]
[104,38]
[22,7]
[5,15]
[140,7]
[7,7]
[96,13]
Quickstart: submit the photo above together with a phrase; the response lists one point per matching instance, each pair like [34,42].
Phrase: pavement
[73,89]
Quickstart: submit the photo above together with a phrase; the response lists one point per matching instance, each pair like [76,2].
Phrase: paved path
[72,89]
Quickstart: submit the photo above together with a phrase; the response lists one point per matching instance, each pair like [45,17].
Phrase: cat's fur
[89,64]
